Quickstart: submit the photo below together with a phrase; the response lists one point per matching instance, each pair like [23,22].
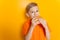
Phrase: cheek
[32,15]
[37,14]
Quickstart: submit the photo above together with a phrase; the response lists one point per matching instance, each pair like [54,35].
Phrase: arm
[29,34]
[44,23]
[33,25]
[47,33]
[47,30]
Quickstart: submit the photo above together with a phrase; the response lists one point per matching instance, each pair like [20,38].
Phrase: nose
[35,13]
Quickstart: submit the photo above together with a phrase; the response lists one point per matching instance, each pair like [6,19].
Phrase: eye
[32,12]
[36,10]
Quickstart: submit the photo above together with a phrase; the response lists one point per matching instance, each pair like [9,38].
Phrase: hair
[30,5]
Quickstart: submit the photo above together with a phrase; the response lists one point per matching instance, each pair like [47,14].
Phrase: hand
[43,22]
[35,21]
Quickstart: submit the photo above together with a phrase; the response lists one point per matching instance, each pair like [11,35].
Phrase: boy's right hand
[35,21]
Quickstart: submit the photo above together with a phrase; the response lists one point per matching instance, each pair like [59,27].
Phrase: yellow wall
[12,17]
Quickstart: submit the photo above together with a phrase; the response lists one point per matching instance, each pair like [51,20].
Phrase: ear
[27,14]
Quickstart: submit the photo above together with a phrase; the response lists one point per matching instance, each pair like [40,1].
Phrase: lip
[36,16]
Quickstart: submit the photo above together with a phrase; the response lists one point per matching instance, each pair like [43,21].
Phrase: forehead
[34,8]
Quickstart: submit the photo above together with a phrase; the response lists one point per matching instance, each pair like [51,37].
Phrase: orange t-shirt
[38,32]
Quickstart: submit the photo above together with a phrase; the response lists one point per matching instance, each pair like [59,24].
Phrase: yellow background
[12,17]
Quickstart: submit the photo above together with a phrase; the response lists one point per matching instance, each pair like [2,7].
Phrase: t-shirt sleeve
[25,28]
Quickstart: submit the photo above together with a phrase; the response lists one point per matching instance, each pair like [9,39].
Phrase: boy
[35,28]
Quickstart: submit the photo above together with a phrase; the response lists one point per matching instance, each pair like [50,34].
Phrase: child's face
[34,12]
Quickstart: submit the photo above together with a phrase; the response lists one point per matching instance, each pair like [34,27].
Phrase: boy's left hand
[43,22]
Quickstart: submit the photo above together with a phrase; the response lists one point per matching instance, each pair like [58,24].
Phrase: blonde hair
[30,5]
